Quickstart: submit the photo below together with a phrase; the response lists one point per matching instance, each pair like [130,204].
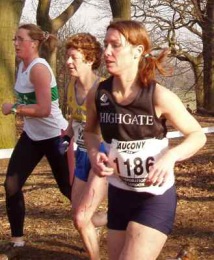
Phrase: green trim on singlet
[30,98]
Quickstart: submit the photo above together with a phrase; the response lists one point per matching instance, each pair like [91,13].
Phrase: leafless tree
[186,26]
[121,9]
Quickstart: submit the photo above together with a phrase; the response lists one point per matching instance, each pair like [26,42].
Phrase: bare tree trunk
[53,25]
[9,20]
[199,93]
[208,54]
[199,80]
[121,9]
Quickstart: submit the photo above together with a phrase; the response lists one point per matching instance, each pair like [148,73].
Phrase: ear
[36,43]
[138,51]
[89,63]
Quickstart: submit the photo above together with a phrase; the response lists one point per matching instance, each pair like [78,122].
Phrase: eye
[18,39]
[113,45]
[116,45]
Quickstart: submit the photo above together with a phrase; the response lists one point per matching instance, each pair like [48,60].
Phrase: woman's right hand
[99,165]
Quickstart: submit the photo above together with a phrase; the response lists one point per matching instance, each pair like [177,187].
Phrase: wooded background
[186,26]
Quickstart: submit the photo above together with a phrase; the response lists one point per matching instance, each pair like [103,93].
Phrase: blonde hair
[43,37]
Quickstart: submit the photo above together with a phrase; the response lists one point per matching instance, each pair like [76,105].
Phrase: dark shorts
[83,164]
[155,211]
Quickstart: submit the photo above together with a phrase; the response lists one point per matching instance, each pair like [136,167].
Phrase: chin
[110,70]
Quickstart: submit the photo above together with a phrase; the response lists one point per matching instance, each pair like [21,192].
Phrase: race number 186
[135,166]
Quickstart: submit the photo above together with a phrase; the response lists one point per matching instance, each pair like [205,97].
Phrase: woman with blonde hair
[38,103]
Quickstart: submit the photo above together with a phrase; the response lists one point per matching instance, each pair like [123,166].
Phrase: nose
[107,50]
[69,60]
[15,42]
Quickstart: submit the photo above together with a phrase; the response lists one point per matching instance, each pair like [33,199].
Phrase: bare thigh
[115,243]
[139,243]
[142,243]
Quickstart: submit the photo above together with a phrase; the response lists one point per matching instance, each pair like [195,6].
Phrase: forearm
[190,146]
[32,110]
[92,142]
[69,131]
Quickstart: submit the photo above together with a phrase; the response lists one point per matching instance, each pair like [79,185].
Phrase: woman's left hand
[6,108]
[162,169]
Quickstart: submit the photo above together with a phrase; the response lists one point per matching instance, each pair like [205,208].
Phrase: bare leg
[99,219]
[115,243]
[139,243]
[86,197]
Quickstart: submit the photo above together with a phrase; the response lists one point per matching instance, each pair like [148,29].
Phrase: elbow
[45,112]
[203,139]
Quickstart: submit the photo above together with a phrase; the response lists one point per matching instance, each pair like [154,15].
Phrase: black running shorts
[155,211]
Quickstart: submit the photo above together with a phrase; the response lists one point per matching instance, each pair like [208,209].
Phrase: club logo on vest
[104,100]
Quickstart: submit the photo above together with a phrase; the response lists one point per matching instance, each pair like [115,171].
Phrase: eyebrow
[113,41]
[22,39]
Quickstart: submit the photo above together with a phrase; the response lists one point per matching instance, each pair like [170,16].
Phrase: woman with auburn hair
[131,109]
[84,55]
[38,103]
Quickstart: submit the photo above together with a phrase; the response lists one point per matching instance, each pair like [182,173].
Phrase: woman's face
[76,62]
[118,53]
[24,45]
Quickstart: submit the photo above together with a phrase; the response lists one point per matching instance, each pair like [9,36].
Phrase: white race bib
[132,160]
[78,128]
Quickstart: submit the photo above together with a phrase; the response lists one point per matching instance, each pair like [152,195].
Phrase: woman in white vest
[131,109]
[38,103]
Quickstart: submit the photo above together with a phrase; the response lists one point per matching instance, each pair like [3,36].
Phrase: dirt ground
[51,235]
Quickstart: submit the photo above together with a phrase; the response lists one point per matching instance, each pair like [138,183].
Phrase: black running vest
[135,121]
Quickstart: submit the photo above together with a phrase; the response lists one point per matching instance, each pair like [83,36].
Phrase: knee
[80,219]
[99,218]
[10,187]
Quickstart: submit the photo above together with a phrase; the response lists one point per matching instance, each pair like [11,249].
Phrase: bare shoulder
[39,67]
[163,93]
[169,105]
[91,96]
[165,99]
[42,70]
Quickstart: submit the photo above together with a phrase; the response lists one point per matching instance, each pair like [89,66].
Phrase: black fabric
[26,155]
[135,121]
[155,211]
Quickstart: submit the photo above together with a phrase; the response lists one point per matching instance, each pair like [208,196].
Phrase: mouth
[109,62]
[17,51]
[71,69]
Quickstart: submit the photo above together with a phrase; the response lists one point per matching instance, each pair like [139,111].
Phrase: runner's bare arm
[93,139]
[170,106]
[91,132]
